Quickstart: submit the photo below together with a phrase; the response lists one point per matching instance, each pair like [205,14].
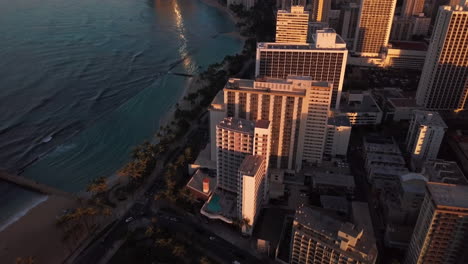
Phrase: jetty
[33,185]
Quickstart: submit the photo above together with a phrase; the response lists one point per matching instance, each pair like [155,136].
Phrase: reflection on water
[94,81]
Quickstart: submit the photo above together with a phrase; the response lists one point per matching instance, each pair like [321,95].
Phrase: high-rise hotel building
[297,108]
[292,26]
[236,139]
[323,60]
[441,231]
[373,28]
[444,79]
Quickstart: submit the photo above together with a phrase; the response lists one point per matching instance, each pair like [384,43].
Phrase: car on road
[128,220]
[212,238]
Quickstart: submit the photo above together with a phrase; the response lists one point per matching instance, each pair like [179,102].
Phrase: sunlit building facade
[444,79]
[297,108]
[323,60]
[373,28]
[441,232]
[292,26]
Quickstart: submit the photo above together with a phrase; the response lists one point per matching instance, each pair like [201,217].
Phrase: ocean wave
[23,212]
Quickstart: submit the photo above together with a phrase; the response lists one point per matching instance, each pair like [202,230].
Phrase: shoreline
[225,9]
[21,213]
[35,233]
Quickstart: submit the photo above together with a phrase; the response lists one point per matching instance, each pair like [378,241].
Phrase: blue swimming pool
[213,205]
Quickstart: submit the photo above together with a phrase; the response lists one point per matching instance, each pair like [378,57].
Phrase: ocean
[82,82]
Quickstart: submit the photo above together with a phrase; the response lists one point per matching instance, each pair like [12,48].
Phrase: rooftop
[367,104]
[380,144]
[329,226]
[251,164]
[334,179]
[337,44]
[444,172]
[262,124]
[450,195]
[336,203]
[339,121]
[409,45]
[403,102]
[196,182]
[237,124]
[429,118]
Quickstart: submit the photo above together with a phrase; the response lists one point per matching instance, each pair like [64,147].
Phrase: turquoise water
[85,81]
[214,205]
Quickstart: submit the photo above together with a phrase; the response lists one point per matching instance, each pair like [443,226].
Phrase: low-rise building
[405,55]
[333,184]
[338,134]
[202,183]
[382,158]
[361,108]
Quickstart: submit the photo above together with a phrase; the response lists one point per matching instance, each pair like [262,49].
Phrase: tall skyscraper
[324,60]
[412,8]
[441,232]
[291,26]
[297,109]
[425,134]
[236,139]
[444,79]
[320,238]
[374,25]
[319,10]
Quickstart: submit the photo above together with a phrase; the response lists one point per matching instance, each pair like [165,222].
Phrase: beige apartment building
[252,174]
[292,26]
[444,79]
[297,108]
[441,232]
[236,139]
[373,28]
[323,60]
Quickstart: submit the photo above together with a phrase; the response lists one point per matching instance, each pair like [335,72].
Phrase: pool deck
[222,206]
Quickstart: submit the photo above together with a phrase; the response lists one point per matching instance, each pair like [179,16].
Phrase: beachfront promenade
[33,185]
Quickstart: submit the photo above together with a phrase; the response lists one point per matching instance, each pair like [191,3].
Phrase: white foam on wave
[23,212]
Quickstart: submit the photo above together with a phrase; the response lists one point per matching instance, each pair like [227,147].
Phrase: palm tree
[205,260]
[179,251]
[149,231]
[106,211]
[97,186]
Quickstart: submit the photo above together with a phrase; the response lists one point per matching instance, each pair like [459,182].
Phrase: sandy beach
[36,235]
